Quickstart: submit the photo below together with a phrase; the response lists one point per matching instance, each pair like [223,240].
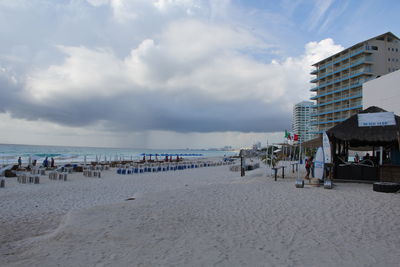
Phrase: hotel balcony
[337,90]
[364,60]
[339,99]
[333,110]
[353,74]
[348,55]
[328,121]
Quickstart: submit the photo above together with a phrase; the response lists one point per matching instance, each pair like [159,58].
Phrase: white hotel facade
[302,119]
[337,89]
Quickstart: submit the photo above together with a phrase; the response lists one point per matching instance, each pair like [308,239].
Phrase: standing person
[52,163]
[309,165]
[46,162]
[19,162]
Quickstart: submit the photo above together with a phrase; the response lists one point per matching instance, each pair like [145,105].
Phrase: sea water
[9,153]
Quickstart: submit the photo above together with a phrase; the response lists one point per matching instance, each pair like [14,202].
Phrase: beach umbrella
[29,160]
[97,159]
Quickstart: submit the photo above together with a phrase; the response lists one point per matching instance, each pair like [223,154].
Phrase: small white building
[383,92]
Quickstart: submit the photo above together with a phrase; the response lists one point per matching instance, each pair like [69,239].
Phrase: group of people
[46,163]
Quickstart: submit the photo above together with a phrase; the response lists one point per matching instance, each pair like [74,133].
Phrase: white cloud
[318,13]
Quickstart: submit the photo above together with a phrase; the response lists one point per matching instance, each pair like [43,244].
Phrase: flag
[287,135]
[295,137]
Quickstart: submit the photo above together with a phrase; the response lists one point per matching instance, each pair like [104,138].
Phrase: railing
[338,109]
[352,53]
[322,94]
[338,80]
[338,100]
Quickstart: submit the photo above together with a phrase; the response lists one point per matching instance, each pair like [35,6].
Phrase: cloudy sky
[168,73]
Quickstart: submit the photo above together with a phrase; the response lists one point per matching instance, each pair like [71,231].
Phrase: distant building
[257,146]
[383,92]
[302,119]
[340,78]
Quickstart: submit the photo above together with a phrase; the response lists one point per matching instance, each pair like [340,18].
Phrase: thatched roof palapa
[349,131]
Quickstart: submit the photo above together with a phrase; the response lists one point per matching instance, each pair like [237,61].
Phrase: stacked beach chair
[32,178]
[58,175]
[94,171]
[138,168]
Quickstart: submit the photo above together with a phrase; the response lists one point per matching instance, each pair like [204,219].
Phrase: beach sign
[376,119]
[326,148]
[319,164]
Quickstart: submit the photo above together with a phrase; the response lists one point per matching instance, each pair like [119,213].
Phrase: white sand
[200,217]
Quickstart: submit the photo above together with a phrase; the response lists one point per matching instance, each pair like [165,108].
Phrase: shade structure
[349,131]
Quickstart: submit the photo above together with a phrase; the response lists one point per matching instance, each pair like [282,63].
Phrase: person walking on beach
[309,165]
[19,162]
[52,163]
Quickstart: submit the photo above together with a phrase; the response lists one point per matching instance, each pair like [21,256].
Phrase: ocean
[9,153]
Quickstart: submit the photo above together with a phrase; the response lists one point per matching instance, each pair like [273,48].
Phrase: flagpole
[298,169]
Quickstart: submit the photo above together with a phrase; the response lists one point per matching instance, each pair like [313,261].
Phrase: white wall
[383,92]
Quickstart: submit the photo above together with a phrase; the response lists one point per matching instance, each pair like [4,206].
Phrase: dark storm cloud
[144,65]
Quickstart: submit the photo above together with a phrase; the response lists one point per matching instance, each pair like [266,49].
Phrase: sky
[168,73]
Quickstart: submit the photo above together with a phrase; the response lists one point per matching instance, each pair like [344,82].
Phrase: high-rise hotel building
[301,124]
[339,78]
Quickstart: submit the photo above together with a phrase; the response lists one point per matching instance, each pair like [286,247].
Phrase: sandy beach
[197,217]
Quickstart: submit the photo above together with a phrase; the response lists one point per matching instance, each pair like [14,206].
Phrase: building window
[388,59]
[374,47]
[397,50]
[388,48]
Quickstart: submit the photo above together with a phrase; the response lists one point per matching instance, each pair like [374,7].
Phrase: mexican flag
[295,137]
[287,135]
